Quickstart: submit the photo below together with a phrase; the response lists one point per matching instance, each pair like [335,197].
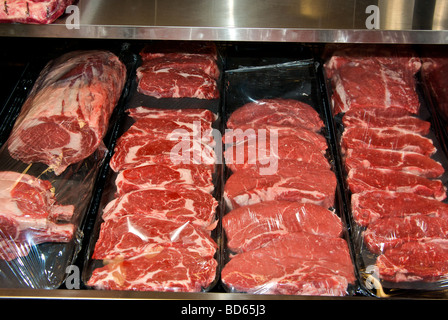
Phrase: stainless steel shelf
[328,21]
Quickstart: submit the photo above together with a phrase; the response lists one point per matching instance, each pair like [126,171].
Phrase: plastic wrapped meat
[299,263]
[171,269]
[29,215]
[365,77]
[66,115]
[251,227]
[32,11]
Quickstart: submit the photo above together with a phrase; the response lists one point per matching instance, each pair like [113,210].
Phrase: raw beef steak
[136,150]
[263,151]
[370,81]
[386,138]
[30,215]
[295,183]
[172,269]
[390,232]
[279,112]
[66,115]
[253,226]
[415,261]
[32,11]
[172,82]
[164,176]
[369,206]
[167,129]
[299,263]
[397,57]
[248,132]
[183,62]
[134,235]
[181,204]
[405,161]
[385,118]
[185,115]
[360,180]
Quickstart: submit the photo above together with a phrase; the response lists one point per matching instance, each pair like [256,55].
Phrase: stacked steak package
[283,235]
[393,168]
[156,227]
[56,146]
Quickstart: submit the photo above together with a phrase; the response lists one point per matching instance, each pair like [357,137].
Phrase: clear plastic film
[394,168]
[157,224]
[50,163]
[283,229]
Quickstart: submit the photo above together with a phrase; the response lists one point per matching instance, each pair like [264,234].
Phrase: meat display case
[313,23]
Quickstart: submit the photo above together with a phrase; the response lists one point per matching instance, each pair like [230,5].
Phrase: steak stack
[282,232]
[395,182]
[156,232]
[179,70]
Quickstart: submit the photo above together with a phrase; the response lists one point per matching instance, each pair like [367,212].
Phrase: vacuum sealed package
[284,232]
[49,165]
[394,168]
[33,12]
[157,226]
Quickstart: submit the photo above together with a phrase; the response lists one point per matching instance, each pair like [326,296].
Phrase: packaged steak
[179,70]
[157,222]
[283,229]
[394,173]
[50,164]
[33,12]
[66,115]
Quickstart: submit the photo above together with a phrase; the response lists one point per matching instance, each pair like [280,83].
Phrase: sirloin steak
[385,118]
[265,150]
[360,180]
[386,233]
[405,161]
[299,263]
[253,226]
[292,183]
[249,132]
[415,261]
[171,269]
[386,138]
[66,114]
[369,206]
[366,77]
[279,112]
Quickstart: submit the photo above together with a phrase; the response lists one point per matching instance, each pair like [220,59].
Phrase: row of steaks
[282,232]
[156,233]
[394,179]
